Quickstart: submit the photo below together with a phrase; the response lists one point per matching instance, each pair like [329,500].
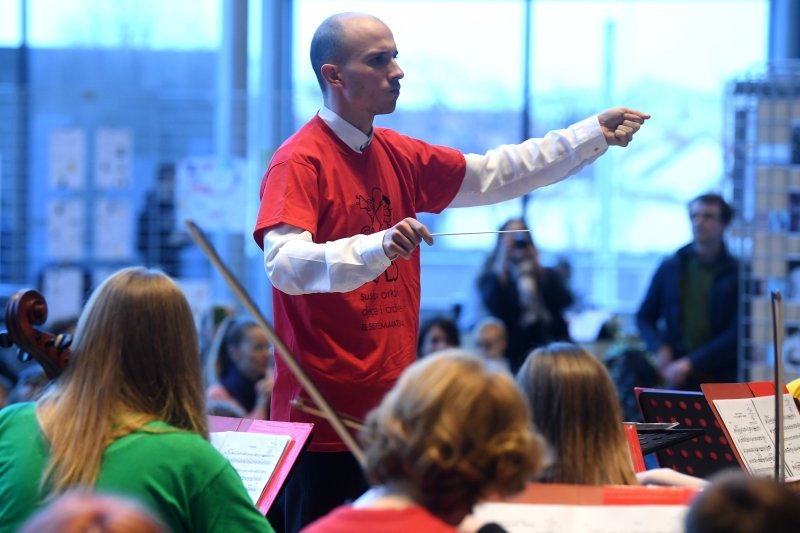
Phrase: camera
[521,240]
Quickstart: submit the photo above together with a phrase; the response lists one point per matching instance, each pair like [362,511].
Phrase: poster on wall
[113,151]
[67,158]
[211,193]
[113,228]
[64,289]
[66,229]
[198,294]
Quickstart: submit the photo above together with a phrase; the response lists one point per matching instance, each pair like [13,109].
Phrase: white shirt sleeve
[669,477]
[297,265]
[510,171]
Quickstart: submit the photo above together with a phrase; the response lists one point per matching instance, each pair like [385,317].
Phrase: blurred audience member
[529,298]
[242,367]
[738,503]
[225,408]
[689,316]
[450,433]
[437,334]
[210,321]
[491,342]
[86,512]
[160,239]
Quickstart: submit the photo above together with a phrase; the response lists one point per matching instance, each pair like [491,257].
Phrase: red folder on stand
[635,447]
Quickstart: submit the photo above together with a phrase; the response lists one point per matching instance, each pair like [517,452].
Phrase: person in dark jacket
[528,297]
[689,316]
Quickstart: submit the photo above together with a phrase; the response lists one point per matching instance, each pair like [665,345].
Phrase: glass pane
[629,53]
[154,24]
[464,88]
[10,33]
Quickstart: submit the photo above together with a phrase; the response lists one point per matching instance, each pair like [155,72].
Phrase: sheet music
[751,425]
[539,518]
[254,456]
[765,405]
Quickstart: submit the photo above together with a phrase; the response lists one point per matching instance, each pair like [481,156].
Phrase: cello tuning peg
[23,356]
[62,341]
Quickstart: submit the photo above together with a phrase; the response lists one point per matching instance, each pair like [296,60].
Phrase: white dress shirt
[296,265]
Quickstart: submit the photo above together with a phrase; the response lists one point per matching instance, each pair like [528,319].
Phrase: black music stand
[701,455]
[654,437]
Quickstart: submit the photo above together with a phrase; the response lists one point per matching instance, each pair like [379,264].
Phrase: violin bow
[349,421]
[280,348]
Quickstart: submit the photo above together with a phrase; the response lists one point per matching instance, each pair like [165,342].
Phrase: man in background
[689,316]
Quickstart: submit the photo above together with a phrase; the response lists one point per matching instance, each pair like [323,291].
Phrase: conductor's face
[370,77]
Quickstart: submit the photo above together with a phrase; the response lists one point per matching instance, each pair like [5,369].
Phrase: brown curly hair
[453,431]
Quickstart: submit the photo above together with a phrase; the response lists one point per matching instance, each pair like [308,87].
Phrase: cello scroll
[24,310]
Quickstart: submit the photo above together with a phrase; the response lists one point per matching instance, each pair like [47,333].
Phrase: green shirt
[177,474]
[695,288]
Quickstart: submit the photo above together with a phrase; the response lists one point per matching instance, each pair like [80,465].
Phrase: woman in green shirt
[126,417]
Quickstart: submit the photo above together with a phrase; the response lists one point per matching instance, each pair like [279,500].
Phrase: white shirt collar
[352,136]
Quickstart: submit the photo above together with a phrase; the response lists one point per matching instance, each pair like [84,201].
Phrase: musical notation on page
[751,425]
[255,456]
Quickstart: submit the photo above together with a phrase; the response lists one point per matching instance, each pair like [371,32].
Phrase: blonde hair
[135,360]
[575,408]
[454,432]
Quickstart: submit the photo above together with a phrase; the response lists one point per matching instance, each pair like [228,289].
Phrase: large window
[156,67]
[464,87]
[150,24]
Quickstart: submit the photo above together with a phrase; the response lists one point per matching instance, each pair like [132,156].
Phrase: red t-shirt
[345,519]
[352,345]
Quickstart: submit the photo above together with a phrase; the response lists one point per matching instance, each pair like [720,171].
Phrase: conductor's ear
[330,73]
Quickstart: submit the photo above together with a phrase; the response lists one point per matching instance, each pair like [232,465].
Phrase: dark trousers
[318,483]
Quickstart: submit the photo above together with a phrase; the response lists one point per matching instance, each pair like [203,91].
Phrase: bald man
[338,227]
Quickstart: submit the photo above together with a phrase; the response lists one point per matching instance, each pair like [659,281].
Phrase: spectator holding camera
[529,298]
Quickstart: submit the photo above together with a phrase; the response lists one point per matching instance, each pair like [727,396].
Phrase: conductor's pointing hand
[619,124]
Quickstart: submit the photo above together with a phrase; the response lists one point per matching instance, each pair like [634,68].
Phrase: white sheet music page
[546,518]
[751,425]
[748,434]
[254,456]
[765,405]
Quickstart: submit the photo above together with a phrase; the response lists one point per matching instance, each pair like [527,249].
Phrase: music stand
[654,437]
[699,456]
[777,338]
